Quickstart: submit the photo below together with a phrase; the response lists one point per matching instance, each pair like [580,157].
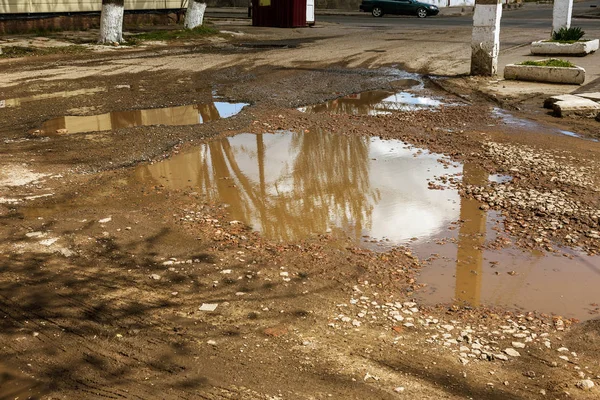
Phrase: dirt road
[123,276]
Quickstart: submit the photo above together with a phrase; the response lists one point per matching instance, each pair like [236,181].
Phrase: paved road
[531,16]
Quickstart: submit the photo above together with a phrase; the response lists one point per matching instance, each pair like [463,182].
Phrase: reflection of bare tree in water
[358,104]
[329,183]
[331,180]
[208,112]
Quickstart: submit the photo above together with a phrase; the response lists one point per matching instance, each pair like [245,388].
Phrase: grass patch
[553,62]
[180,34]
[23,51]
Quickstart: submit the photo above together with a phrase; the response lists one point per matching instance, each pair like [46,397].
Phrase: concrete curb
[543,47]
[535,73]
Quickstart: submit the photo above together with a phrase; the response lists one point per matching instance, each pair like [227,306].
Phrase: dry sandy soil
[108,282]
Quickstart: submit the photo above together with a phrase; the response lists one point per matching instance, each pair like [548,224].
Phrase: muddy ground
[108,283]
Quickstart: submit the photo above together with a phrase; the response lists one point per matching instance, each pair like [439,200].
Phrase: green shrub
[568,34]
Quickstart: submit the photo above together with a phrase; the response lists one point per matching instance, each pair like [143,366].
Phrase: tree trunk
[111,21]
[195,14]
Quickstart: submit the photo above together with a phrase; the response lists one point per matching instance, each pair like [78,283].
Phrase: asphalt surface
[530,16]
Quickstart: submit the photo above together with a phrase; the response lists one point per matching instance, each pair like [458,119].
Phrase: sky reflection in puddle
[375,102]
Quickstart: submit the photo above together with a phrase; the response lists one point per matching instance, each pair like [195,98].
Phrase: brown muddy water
[180,115]
[380,194]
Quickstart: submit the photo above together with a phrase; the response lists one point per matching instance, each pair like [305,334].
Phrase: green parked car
[398,7]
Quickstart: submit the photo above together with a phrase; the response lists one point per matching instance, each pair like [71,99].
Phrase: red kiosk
[279,13]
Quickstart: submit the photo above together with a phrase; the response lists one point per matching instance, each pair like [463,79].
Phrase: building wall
[50,6]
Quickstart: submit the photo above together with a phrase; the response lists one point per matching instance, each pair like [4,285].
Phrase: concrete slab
[581,108]
[535,73]
[591,96]
[581,48]
[550,101]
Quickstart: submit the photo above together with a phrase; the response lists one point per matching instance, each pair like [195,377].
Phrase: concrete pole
[561,14]
[485,42]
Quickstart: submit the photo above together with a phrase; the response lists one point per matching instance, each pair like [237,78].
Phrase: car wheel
[421,12]
[377,12]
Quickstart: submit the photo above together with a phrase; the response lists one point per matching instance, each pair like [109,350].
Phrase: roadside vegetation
[24,51]
[552,62]
[567,35]
[168,35]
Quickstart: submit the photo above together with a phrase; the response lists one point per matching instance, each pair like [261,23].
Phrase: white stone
[208,307]
[518,345]
[49,242]
[575,75]
[512,352]
[105,220]
[580,48]
[585,384]
[34,234]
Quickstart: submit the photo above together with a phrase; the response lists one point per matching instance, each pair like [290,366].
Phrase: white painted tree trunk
[561,14]
[485,40]
[111,21]
[195,14]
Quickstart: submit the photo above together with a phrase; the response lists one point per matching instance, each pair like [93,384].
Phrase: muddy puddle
[375,102]
[173,116]
[293,185]
[533,126]
[382,193]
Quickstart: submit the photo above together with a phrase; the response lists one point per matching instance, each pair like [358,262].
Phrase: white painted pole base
[195,14]
[561,14]
[485,42]
[111,23]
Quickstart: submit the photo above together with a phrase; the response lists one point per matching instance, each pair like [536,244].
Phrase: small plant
[564,34]
[552,62]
